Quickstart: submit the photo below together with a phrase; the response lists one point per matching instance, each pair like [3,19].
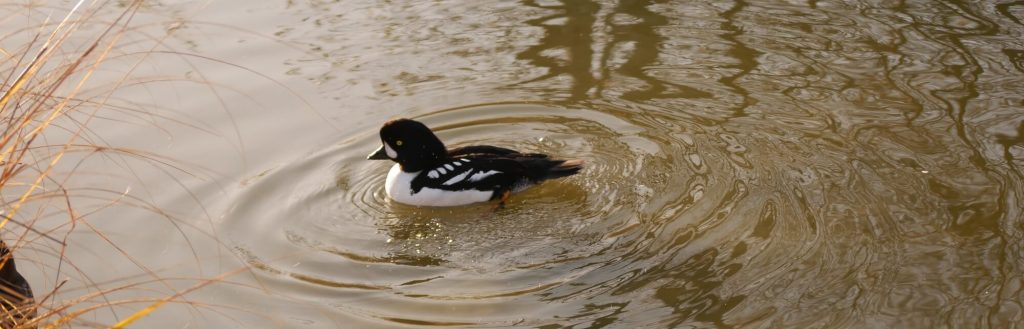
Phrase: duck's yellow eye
[398,142]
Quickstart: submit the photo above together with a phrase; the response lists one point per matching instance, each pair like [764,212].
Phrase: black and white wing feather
[494,172]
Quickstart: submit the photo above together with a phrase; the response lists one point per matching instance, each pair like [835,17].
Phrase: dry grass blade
[25,117]
[10,155]
[45,86]
[56,110]
[143,312]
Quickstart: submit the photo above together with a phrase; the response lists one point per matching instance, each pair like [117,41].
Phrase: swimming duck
[426,173]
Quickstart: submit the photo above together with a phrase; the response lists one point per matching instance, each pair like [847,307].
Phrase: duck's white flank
[398,186]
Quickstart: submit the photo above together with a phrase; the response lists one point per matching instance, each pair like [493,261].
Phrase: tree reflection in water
[567,48]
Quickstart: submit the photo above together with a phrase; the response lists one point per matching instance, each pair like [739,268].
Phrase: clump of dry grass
[38,90]
[43,119]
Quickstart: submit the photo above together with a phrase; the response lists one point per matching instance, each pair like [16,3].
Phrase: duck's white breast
[398,186]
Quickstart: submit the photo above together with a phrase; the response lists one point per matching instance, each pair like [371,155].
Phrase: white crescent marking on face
[465,160]
[441,170]
[449,167]
[391,153]
[457,163]
[481,175]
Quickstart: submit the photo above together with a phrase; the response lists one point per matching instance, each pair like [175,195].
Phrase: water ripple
[762,164]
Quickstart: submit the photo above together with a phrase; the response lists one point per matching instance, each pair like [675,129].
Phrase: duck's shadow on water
[551,217]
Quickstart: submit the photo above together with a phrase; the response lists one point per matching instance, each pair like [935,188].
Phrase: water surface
[750,164]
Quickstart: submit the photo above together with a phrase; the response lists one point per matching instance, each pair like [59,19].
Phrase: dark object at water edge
[16,300]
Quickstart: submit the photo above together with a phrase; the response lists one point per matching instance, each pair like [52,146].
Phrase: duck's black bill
[379,154]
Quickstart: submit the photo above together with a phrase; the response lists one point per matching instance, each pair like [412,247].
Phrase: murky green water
[751,164]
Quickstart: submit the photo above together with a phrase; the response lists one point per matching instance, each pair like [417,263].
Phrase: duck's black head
[409,143]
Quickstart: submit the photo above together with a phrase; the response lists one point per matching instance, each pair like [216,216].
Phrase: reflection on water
[566,47]
[633,24]
[750,164]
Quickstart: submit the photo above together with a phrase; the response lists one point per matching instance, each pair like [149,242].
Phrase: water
[749,164]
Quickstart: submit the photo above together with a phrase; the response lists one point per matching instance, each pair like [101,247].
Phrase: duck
[426,173]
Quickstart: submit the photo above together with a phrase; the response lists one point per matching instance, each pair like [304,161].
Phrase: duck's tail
[564,168]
